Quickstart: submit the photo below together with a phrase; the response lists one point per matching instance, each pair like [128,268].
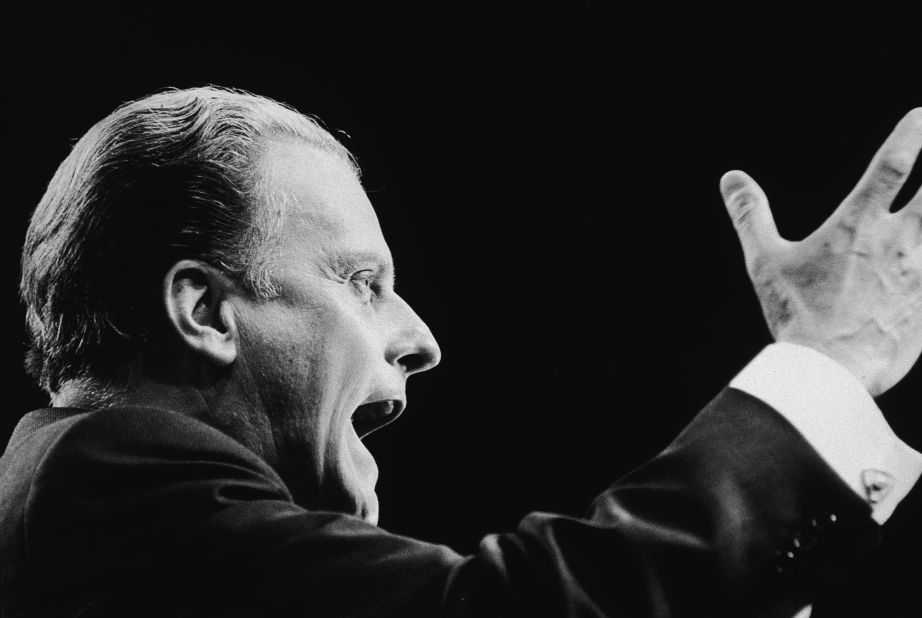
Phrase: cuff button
[877,484]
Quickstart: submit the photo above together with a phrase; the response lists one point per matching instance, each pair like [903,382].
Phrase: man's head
[218,243]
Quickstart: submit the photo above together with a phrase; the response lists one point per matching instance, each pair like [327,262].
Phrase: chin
[352,497]
[364,497]
[349,484]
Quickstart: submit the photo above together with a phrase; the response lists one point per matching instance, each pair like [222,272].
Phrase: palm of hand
[853,288]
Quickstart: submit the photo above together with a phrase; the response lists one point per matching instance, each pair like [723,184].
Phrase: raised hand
[853,288]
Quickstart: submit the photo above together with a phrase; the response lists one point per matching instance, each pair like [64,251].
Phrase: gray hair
[167,177]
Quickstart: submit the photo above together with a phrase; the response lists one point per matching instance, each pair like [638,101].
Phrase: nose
[411,344]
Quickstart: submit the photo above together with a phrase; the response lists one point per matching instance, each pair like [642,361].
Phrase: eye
[363,282]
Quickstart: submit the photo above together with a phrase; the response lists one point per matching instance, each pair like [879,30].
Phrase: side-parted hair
[168,177]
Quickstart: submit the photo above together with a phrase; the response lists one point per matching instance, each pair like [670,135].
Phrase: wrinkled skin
[853,288]
[337,335]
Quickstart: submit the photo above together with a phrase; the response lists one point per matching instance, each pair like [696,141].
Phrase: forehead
[326,209]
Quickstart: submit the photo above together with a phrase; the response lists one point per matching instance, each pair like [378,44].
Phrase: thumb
[748,208]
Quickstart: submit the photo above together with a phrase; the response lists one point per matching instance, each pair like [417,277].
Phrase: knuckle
[742,218]
[893,169]
[742,207]
[887,177]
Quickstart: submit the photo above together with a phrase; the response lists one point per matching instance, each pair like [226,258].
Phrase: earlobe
[197,308]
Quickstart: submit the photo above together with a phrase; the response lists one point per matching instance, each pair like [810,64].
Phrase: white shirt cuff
[805,612]
[838,417]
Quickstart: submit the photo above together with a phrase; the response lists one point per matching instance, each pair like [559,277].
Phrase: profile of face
[327,360]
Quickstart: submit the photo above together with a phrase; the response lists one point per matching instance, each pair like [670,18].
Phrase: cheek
[349,352]
[275,366]
[311,367]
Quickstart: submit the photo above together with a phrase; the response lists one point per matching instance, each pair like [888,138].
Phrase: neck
[218,403]
[142,391]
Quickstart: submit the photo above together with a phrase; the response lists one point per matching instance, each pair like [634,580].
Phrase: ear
[195,295]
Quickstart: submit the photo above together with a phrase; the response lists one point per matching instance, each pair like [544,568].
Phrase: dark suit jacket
[147,512]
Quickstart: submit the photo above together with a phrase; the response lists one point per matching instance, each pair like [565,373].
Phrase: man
[213,315]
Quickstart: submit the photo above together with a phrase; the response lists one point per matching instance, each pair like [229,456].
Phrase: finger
[911,215]
[748,208]
[889,168]
[914,206]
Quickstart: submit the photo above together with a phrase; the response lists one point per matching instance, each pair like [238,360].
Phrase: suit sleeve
[838,418]
[150,513]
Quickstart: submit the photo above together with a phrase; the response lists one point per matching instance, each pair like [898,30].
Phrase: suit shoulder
[147,434]
[123,451]
[98,495]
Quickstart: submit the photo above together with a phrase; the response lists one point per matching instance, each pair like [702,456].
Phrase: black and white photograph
[576,309]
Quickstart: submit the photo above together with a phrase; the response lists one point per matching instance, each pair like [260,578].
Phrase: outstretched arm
[738,517]
[852,292]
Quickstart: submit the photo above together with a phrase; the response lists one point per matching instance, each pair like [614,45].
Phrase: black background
[547,180]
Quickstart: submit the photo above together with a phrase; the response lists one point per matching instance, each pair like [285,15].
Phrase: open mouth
[374,415]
